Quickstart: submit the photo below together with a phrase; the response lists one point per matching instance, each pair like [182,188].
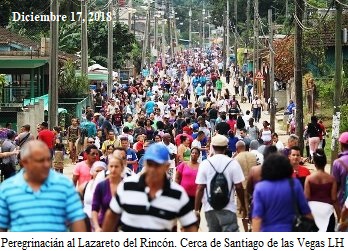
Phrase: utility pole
[286,9]
[171,18]
[156,28]
[248,24]
[236,31]
[146,38]
[53,68]
[190,26]
[271,69]
[209,28]
[299,6]
[227,36]
[224,47]
[130,6]
[163,36]
[203,24]
[149,54]
[84,39]
[110,48]
[338,83]
[256,47]
[175,31]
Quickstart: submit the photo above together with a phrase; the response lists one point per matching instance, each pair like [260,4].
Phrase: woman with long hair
[314,132]
[321,191]
[104,192]
[186,173]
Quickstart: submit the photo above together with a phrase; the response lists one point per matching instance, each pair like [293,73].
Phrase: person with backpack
[217,179]
[340,170]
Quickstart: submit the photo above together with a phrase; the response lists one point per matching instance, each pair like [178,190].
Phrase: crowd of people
[167,146]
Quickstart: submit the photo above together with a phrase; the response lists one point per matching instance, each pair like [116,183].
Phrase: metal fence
[75,107]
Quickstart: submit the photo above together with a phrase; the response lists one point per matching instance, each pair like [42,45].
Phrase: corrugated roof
[7,37]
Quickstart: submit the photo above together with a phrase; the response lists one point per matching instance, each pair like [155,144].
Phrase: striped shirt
[49,209]
[140,213]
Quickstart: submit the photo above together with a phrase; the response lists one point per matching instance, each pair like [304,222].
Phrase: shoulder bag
[300,223]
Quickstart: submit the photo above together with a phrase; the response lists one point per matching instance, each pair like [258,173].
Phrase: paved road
[244,106]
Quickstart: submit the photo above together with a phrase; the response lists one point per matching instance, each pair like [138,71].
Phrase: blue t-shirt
[232,144]
[272,202]
[131,156]
[204,143]
[199,90]
[149,106]
[90,127]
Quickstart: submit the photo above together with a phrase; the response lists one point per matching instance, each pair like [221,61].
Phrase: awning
[94,76]
[45,98]
[10,63]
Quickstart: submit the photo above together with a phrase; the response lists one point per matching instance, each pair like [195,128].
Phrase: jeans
[256,114]
[222,221]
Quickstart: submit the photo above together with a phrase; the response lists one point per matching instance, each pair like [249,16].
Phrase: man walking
[340,170]
[159,201]
[38,199]
[225,219]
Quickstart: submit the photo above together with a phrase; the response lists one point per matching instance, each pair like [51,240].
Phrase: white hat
[219,140]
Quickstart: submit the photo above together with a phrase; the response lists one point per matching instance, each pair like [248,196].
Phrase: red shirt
[301,172]
[231,123]
[178,141]
[47,137]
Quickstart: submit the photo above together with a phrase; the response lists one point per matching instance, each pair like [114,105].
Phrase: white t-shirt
[279,145]
[222,103]
[233,173]
[197,144]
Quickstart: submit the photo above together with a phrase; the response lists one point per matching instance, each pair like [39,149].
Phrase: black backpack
[219,195]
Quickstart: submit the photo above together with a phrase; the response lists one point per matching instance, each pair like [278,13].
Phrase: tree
[124,43]
[71,86]
[284,58]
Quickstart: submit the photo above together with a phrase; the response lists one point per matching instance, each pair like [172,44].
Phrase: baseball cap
[195,126]
[219,140]
[344,138]
[158,153]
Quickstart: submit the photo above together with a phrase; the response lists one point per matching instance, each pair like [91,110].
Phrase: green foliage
[71,86]
[125,45]
[315,52]
[325,91]
[344,116]
[2,83]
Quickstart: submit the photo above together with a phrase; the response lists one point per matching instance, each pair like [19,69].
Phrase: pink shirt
[82,170]
[188,178]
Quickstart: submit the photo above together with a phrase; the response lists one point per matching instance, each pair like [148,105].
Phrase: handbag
[300,223]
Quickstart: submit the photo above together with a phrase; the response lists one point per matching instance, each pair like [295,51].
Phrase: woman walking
[186,173]
[184,152]
[321,192]
[104,192]
[268,215]
[73,135]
